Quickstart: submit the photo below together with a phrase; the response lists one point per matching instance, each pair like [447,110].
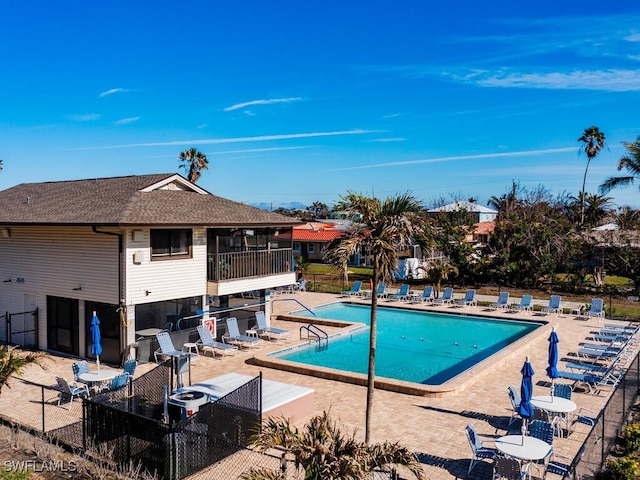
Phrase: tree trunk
[371,373]
[584,182]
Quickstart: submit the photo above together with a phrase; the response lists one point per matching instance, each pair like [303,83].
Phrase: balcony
[248,264]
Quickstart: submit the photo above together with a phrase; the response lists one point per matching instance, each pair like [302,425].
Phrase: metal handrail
[297,301]
[316,331]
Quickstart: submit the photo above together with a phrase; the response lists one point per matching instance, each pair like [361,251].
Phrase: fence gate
[22,328]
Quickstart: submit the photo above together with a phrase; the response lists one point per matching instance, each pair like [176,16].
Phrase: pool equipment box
[278,399]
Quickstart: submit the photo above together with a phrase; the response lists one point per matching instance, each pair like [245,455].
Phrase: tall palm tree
[193,161]
[593,141]
[382,229]
[325,452]
[631,163]
[13,363]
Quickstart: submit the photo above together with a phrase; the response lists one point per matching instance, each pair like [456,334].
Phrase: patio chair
[478,449]
[562,390]
[79,367]
[542,430]
[524,305]
[502,302]
[234,337]
[299,286]
[563,465]
[426,297]
[508,469]
[402,295]
[118,382]
[382,290]
[70,390]
[469,299]
[355,290]
[554,305]
[166,347]
[514,398]
[596,309]
[130,367]
[446,298]
[210,345]
[265,330]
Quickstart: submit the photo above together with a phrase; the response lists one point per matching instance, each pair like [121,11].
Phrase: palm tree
[325,452]
[630,162]
[193,161]
[318,210]
[593,141]
[13,363]
[438,270]
[383,227]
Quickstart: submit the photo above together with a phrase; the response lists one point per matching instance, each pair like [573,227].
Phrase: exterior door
[109,319]
[63,325]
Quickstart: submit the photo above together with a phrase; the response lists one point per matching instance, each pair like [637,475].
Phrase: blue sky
[303,101]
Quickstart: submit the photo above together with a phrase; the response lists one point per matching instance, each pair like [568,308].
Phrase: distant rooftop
[464,205]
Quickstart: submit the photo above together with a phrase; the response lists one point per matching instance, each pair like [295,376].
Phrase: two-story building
[143,251]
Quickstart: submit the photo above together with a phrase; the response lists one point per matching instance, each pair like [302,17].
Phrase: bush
[626,468]
[631,438]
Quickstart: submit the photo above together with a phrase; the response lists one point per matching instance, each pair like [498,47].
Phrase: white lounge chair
[446,298]
[355,290]
[234,337]
[596,309]
[502,302]
[554,305]
[525,304]
[166,347]
[209,344]
[426,297]
[469,299]
[402,295]
[265,330]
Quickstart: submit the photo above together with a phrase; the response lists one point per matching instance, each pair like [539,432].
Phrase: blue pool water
[420,347]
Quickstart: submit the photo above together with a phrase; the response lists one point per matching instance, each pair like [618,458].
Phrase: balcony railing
[237,265]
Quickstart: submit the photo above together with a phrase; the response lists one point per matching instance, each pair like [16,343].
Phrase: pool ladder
[315,332]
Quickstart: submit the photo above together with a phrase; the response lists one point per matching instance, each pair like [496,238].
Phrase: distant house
[478,212]
[481,233]
[143,251]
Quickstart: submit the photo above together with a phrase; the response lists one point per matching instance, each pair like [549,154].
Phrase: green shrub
[631,437]
[626,468]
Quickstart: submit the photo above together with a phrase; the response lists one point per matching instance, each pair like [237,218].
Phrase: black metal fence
[21,328]
[597,446]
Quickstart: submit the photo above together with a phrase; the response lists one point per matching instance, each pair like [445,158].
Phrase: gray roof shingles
[119,201]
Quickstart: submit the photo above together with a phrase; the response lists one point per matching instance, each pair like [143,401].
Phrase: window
[296,246]
[171,243]
[312,248]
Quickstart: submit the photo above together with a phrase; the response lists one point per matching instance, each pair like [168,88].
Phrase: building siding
[54,261]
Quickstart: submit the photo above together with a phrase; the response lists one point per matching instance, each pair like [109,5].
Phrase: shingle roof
[122,201]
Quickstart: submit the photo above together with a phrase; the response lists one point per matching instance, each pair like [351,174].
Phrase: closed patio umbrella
[552,369]
[526,392]
[96,347]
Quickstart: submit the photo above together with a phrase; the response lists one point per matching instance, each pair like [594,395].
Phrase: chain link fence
[596,448]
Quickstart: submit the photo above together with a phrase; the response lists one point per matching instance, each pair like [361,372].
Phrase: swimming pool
[413,346]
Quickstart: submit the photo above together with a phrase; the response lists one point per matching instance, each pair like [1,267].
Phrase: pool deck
[432,426]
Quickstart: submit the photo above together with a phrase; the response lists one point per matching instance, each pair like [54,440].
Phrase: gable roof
[166,199]
[464,205]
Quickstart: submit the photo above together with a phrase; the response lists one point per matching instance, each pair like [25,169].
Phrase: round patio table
[553,404]
[93,378]
[523,447]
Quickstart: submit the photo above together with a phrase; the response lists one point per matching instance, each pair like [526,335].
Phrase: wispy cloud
[126,121]
[204,125]
[388,140]
[254,150]
[106,93]
[214,141]
[89,117]
[634,37]
[602,80]
[270,101]
[480,156]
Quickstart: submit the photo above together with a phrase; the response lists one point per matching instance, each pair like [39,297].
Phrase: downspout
[121,298]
